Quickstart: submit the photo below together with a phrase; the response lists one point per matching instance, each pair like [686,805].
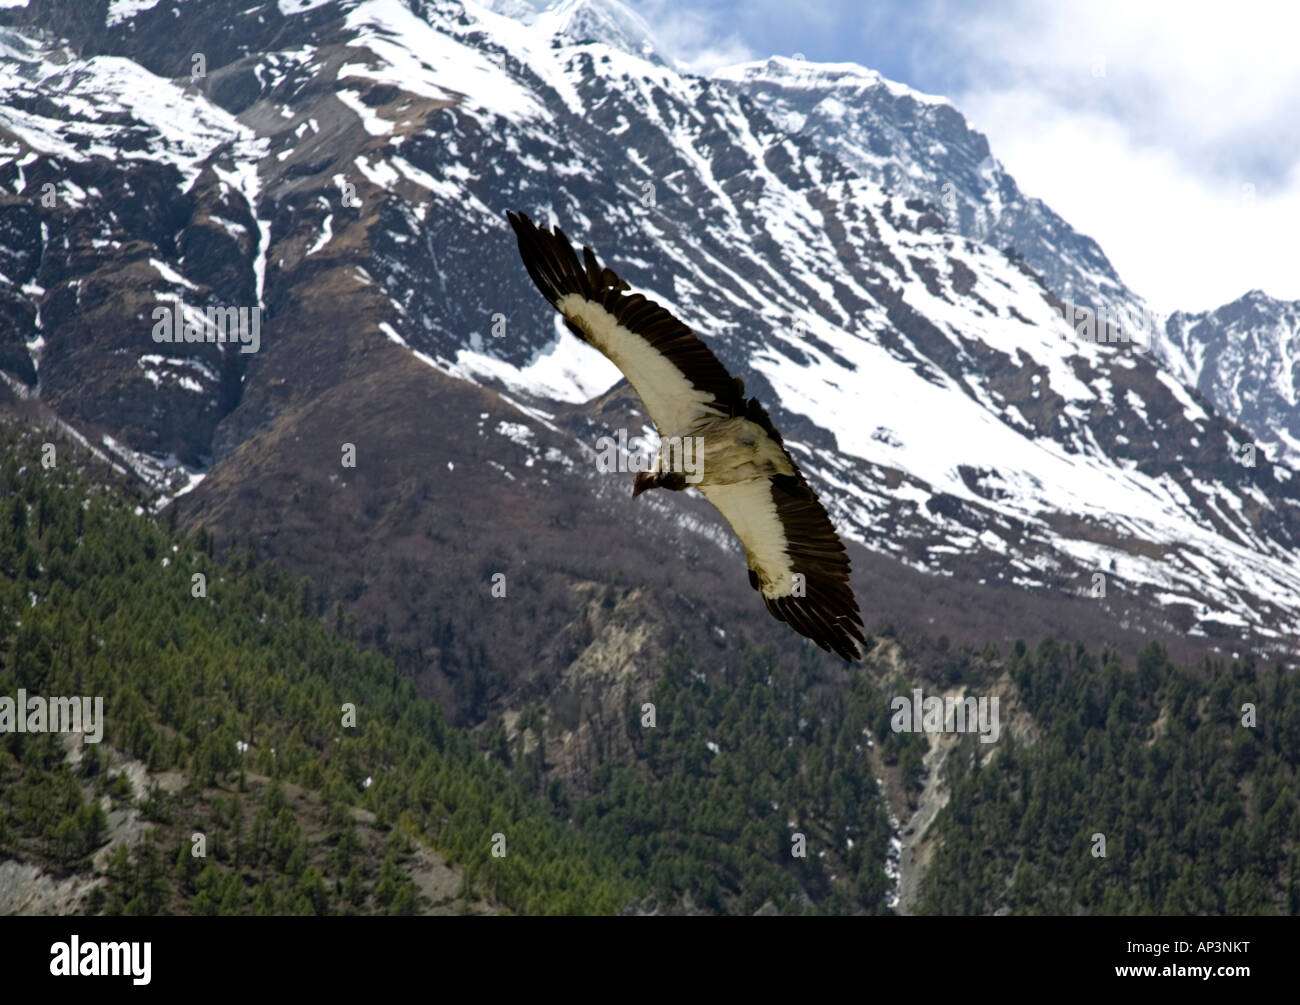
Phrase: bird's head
[674,481]
[644,480]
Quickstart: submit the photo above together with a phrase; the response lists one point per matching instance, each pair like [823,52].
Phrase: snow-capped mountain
[345,166]
[919,146]
[585,20]
[1245,358]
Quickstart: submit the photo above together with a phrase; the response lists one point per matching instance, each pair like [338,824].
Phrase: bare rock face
[26,890]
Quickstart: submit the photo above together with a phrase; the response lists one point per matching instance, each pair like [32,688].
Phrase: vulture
[797,563]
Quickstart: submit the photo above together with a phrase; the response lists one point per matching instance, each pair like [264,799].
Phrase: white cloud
[705,60]
[1181,238]
[699,40]
[1166,132]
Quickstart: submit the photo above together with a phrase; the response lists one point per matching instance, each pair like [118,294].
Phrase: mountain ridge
[333,173]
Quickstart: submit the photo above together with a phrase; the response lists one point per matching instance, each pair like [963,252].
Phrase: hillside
[224,717]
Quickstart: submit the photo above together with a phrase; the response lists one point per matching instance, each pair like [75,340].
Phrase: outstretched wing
[796,560]
[676,376]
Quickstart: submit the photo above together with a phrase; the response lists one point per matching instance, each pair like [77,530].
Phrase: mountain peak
[605,21]
[794,71]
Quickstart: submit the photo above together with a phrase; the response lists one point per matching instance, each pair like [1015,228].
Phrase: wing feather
[785,531]
[778,519]
[676,376]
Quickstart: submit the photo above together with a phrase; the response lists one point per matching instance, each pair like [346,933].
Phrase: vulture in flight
[796,560]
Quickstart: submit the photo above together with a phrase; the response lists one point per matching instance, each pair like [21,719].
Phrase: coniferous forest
[228,732]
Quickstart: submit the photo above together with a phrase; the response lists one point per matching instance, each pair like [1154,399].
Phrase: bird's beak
[644,480]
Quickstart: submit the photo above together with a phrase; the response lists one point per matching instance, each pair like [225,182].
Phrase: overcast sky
[1170,132]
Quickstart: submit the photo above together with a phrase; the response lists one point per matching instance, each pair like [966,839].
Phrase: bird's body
[796,560]
[730,449]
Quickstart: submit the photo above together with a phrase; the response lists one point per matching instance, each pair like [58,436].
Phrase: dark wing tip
[549,257]
[827,612]
[816,619]
[557,271]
